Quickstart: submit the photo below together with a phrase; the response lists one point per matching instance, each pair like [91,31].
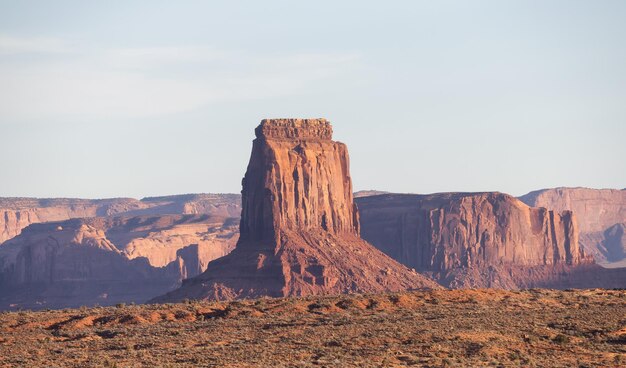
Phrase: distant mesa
[18,213]
[601,217]
[299,232]
[110,259]
[368,193]
[483,240]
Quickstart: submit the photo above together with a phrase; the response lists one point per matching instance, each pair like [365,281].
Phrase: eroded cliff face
[18,213]
[601,214]
[596,209]
[109,260]
[159,239]
[473,239]
[298,180]
[299,226]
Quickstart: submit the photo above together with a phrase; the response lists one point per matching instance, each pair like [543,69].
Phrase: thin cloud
[143,82]
[10,45]
[133,58]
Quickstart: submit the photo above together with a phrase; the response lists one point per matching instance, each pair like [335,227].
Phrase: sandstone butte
[299,231]
[477,240]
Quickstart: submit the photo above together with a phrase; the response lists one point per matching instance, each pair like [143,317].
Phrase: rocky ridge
[18,213]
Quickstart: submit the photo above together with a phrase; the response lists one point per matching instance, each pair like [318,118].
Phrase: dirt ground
[460,328]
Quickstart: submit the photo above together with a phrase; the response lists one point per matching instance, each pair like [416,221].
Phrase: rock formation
[18,213]
[160,239]
[478,239]
[601,217]
[108,260]
[299,232]
[609,245]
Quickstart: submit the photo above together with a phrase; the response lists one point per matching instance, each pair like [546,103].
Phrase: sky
[142,98]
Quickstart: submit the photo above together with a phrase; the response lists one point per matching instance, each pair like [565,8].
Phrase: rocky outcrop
[297,179]
[478,239]
[108,260]
[601,214]
[18,213]
[299,232]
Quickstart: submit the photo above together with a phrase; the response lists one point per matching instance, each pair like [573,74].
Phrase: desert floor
[543,328]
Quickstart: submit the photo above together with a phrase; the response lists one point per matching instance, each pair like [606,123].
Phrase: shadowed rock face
[108,260]
[481,240]
[299,226]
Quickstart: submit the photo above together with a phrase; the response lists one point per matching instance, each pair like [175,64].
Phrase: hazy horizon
[152,98]
[238,193]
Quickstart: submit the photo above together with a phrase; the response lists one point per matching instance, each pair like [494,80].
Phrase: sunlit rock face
[482,240]
[442,231]
[299,232]
[17,213]
[297,179]
[601,217]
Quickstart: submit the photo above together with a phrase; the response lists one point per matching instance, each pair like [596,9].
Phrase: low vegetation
[431,329]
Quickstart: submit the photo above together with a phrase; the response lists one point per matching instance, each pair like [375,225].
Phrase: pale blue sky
[142,98]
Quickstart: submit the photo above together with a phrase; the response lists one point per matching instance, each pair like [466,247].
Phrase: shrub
[561,339]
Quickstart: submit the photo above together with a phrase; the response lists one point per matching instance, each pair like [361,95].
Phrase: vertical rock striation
[476,239]
[601,217]
[597,209]
[297,180]
[441,231]
[299,232]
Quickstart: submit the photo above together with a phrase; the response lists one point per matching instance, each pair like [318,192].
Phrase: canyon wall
[477,239]
[107,260]
[441,231]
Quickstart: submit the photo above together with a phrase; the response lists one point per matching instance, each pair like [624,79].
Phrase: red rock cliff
[297,179]
[601,217]
[447,232]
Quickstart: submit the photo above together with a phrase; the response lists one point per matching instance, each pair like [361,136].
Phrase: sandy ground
[457,328]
